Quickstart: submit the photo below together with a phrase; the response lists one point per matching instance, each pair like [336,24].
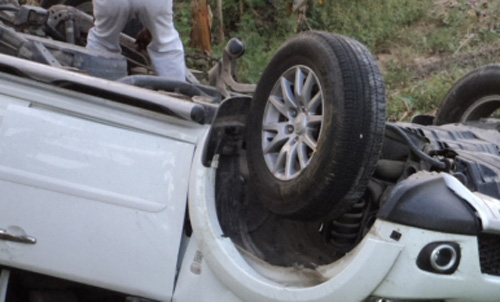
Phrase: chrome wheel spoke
[302,155]
[288,95]
[280,106]
[292,122]
[280,162]
[299,82]
[275,127]
[276,143]
[309,141]
[307,90]
[291,159]
[314,102]
[314,120]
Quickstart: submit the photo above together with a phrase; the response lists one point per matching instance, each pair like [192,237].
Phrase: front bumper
[407,281]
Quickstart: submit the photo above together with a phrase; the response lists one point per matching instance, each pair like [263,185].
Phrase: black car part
[425,201]
[489,257]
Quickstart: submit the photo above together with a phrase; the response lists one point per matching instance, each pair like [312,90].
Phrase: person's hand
[143,39]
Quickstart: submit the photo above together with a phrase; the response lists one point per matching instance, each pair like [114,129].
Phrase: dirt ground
[418,77]
[423,66]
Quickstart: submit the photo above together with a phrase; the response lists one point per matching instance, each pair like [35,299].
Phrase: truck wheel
[475,96]
[316,126]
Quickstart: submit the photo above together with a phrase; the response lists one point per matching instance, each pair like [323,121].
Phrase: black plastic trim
[229,121]
[425,201]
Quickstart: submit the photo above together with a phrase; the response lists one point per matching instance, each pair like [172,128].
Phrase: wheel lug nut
[293,112]
[289,129]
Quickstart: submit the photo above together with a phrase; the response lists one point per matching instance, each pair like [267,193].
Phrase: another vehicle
[119,185]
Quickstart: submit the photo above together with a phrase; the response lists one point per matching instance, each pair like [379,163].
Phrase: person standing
[165,50]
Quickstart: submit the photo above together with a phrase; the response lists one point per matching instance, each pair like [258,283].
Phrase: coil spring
[344,233]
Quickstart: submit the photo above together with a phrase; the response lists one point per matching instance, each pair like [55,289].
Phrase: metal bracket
[222,73]
[45,55]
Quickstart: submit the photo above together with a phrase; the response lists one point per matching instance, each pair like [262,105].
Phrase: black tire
[475,96]
[350,138]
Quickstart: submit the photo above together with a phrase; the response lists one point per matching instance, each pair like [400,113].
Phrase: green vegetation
[423,46]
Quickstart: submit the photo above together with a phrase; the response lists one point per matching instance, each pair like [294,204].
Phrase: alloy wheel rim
[293,122]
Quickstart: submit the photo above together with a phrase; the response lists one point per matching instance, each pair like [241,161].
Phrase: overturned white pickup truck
[183,192]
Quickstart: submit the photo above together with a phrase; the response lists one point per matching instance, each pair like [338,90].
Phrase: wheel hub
[300,124]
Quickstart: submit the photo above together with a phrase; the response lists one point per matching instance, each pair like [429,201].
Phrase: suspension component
[344,233]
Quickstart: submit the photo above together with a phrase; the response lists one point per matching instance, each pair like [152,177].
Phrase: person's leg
[166,50]
[110,19]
